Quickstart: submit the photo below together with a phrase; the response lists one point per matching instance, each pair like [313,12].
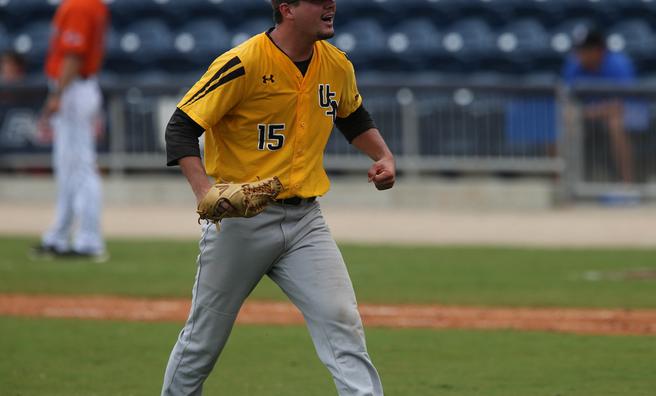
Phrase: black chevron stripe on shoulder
[202,92]
[225,79]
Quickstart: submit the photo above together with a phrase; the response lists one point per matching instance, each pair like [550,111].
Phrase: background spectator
[592,63]
[12,67]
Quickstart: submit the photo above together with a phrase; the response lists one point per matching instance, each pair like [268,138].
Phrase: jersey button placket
[299,150]
[301,130]
[297,165]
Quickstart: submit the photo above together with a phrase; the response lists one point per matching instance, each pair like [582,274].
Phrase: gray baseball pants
[293,246]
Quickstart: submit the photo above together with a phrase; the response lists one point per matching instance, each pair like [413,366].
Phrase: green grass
[381,274]
[68,357]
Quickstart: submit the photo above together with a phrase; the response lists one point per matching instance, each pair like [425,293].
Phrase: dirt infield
[582,321]
[621,227]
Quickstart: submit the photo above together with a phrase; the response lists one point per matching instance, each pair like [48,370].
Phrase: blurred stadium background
[468,95]
[458,87]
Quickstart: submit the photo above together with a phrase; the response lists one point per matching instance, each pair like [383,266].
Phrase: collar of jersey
[289,62]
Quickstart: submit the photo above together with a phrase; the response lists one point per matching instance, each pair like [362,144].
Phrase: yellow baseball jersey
[263,118]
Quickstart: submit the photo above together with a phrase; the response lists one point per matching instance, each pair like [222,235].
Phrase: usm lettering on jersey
[263,117]
[326,100]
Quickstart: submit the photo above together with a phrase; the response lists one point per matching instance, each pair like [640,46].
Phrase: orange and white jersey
[79,29]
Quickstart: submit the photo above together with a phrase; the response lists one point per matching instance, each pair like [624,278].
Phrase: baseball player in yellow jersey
[267,108]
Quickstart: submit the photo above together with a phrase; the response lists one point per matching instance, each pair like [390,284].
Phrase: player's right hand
[52,105]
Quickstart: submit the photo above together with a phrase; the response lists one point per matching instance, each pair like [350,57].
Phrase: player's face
[10,71]
[316,17]
[590,58]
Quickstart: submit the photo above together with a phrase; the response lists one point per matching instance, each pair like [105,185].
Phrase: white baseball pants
[79,192]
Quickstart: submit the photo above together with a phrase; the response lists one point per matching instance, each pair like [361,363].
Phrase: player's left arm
[357,125]
[383,171]
[70,70]
[360,130]
[74,40]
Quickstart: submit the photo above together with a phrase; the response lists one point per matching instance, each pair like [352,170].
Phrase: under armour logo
[266,79]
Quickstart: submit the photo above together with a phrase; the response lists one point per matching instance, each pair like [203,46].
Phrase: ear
[286,11]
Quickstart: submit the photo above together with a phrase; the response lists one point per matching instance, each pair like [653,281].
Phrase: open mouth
[328,17]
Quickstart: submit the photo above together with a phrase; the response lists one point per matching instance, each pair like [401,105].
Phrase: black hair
[277,16]
[591,38]
[275,4]
[15,57]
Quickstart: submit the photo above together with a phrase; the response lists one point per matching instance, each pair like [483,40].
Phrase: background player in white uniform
[267,108]
[74,103]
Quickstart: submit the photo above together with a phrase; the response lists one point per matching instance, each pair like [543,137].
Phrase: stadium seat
[416,44]
[549,12]
[32,42]
[470,42]
[637,39]
[364,40]
[629,9]
[5,40]
[562,36]
[17,13]
[249,29]
[178,12]
[250,8]
[601,11]
[148,43]
[350,11]
[127,12]
[494,12]
[525,46]
[200,41]
[441,12]
[193,9]
[232,12]
[113,51]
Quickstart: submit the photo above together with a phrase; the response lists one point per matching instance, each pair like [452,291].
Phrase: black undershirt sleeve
[181,137]
[355,124]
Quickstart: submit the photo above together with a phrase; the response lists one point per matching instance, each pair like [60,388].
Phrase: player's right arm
[193,169]
[215,94]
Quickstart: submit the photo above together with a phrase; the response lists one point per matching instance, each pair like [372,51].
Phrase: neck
[297,48]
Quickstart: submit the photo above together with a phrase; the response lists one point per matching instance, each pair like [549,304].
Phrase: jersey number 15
[268,138]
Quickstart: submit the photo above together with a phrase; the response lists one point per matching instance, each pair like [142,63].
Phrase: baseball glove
[247,199]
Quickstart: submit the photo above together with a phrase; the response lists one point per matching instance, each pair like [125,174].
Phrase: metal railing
[611,141]
[434,127]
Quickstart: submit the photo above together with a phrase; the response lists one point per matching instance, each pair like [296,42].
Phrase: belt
[295,200]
